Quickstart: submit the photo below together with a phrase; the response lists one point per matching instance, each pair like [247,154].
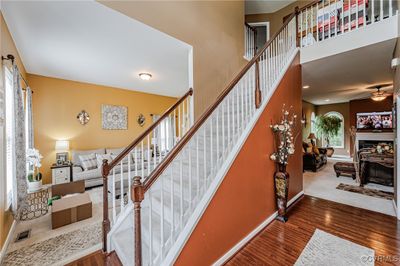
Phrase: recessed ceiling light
[145,76]
[306,86]
[327,100]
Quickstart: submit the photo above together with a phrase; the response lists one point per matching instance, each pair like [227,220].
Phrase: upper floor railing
[250,41]
[325,19]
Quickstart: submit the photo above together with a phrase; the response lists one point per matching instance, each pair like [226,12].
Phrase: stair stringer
[183,237]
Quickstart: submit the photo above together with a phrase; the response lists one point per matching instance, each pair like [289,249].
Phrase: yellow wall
[213,28]
[7,46]
[57,102]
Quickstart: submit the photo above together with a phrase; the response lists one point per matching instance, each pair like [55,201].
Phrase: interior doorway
[262,30]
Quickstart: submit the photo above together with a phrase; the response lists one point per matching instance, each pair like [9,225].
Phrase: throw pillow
[88,161]
[309,148]
[101,157]
[315,150]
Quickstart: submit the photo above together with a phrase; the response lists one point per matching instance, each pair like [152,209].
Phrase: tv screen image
[379,120]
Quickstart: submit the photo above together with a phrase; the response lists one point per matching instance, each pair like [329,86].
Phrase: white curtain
[20,184]
[29,119]
[164,134]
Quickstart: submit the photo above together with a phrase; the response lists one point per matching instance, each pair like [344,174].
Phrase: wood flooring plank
[282,244]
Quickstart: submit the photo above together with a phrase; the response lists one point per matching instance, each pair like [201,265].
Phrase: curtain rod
[12,58]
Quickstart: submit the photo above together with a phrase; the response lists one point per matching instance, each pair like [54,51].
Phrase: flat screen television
[375,121]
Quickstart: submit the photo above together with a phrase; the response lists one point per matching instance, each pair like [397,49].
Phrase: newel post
[258,90]
[106,221]
[297,12]
[137,192]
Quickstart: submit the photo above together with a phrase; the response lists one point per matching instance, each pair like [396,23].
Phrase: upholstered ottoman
[345,168]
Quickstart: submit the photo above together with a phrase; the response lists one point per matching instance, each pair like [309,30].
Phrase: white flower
[291,151]
[281,127]
[273,157]
[286,112]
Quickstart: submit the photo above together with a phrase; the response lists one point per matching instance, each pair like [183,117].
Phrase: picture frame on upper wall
[114,117]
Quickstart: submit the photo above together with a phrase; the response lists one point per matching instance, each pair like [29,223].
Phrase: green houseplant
[327,127]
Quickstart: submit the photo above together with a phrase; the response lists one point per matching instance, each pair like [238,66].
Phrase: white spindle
[357,16]
[223,128]
[114,211]
[190,176]
[181,191]
[143,156]
[372,11]
[205,156]
[162,218]
[129,176]
[148,155]
[364,14]
[301,29]
[172,203]
[349,15]
[316,22]
[150,226]
[122,187]
[390,7]
[217,140]
[197,166]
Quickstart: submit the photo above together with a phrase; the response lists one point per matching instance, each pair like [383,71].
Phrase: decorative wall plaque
[141,120]
[114,117]
[83,117]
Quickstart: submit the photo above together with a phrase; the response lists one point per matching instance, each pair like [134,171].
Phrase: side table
[37,204]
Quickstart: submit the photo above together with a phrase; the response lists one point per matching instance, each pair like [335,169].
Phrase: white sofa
[94,177]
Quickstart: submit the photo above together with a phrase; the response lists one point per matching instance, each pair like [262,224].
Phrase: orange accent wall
[246,196]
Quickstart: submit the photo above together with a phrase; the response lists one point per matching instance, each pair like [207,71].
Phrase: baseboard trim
[7,242]
[396,210]
[253,233]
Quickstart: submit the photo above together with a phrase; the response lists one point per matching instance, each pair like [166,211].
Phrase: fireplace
[362,144]
[370,139]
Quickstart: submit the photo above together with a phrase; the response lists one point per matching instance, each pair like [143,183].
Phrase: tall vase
[281,179]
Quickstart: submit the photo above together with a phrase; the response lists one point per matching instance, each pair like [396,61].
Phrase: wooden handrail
[179,146]
[142,136]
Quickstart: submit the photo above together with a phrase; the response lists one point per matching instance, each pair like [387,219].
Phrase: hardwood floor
[98,258]
[282,244]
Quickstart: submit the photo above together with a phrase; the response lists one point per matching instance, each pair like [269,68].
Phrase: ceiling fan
[379,95]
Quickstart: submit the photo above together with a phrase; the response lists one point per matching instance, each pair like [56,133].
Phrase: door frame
[266,23]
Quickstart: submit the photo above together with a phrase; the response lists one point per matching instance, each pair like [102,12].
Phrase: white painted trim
[266,23]
[253,233]
[395,209]
[7,242]
[177,247]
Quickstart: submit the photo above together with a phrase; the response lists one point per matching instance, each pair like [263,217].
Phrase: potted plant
[285,147]
[328,127]
[34,177]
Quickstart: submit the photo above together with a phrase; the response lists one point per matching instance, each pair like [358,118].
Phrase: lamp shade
[62,145]
[312,136]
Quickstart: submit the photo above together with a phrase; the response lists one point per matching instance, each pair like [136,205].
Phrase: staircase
[157,189]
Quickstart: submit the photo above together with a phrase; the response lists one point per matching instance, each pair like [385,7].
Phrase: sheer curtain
[29,119]
[19,184]
[164,134]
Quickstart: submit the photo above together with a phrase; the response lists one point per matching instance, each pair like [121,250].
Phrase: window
[338,141]
[312,130]
[10,147]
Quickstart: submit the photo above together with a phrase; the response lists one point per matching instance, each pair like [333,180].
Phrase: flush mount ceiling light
[145,76]
[379,95]
[306,86]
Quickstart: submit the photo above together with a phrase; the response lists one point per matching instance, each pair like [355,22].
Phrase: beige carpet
[323,183]
[41,232]
[327,249]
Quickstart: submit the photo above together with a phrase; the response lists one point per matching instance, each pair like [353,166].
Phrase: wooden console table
[377,168]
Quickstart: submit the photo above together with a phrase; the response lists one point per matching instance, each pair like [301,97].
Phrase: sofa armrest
[322,150]
[77,168]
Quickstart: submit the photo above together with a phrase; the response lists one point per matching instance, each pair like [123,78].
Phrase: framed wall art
[114,117]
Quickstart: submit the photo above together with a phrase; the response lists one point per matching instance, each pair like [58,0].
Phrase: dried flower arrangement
[284,139]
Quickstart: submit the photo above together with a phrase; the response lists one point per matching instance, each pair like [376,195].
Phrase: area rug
[327,249]
[366,191]
[56,249]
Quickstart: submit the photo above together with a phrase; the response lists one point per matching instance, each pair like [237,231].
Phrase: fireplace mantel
[377,136]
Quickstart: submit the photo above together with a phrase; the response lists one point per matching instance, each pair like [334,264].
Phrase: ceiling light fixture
[145,76]
[379,95]
[306,86]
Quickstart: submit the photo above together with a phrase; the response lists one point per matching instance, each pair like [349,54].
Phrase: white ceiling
[88,42]
[344,77]
[265,6]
